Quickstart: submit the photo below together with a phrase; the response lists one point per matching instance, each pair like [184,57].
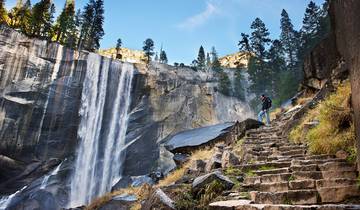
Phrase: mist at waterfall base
[102,130]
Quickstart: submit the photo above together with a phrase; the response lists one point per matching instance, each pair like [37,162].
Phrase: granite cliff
[44,91]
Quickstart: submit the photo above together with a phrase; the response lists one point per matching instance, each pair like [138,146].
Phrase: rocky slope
[41,87]
[337,56]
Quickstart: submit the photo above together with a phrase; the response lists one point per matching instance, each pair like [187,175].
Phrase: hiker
[266,105]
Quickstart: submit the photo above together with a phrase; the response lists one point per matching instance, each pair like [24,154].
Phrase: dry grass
[172,177]
[335,130]
[302,101]
[140,192]
[275,113]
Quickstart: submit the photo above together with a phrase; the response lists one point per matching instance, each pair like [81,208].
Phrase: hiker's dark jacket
[266,103]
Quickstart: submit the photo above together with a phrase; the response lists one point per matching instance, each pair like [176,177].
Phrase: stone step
[311,167]
[302,184]
[303,175]
[256,166]
[272,171]
[320,157]
[271,178]
[310,162]
[294,152]
[293,147]
[337,166]
[338,194]
[298,197]
[226,205]
[324,183]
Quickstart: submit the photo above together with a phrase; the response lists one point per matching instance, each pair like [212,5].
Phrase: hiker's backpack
[269,102]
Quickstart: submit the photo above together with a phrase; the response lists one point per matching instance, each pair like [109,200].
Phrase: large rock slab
[186,140]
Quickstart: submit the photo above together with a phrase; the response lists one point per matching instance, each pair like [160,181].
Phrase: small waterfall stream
[99,159]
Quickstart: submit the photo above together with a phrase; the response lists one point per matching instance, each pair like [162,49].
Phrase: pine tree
[244,43]
[215,63]
[259,38]
[289,40]
[42,18]
[118,49]
[201,59]
[224,83]
[239,88]
[65,27]
[20,16]
[87,19]
[97,32]
[258,73]
[163,57]
[311,19]
[208,61]
[148,49]
[276,66]
[2,12]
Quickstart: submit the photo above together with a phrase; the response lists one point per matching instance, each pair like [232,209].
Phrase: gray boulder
[202,181]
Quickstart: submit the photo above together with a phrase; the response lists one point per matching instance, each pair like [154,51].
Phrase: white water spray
[98,162]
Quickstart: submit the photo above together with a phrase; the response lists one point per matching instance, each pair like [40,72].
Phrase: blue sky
[183,25]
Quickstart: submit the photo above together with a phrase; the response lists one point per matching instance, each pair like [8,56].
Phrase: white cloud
[199,19]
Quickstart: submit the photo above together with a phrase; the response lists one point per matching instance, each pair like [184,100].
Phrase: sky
[182,26]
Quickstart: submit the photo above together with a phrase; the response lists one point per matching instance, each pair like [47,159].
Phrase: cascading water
[45,181]
[5,201]
[99,159]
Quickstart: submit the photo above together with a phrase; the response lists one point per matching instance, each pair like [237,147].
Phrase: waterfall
[47,177]
[5,201]
[99,159]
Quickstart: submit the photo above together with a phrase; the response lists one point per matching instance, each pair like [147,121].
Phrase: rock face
[338,55]
[346,24]
[41,85]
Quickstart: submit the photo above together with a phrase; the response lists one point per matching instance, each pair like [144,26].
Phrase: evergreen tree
[276,66]
[163,57]
[259,38]
[20,16]
[215,63]
[86,20]
[311,20]
[91,30]
[65,27]
[156,58]
[289,40]
[244,43]
[239,88]
[148,49]
[2,12]
[208,61]
[258,73]
[201,59]
[97,32]
[118,49]
[224,83]
[42,18]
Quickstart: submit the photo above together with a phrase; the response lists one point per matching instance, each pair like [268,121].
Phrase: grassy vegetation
[250,173]
[231,171]
[172,177]
[335,130]
[213,190]
[140,192]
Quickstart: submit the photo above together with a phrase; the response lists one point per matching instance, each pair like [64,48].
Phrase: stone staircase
[282,175]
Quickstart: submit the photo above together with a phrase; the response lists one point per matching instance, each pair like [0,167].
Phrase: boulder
[214,162]
[229,159]
[191,139]
[198,166]
[159,200]
[120,202]
[202,181]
